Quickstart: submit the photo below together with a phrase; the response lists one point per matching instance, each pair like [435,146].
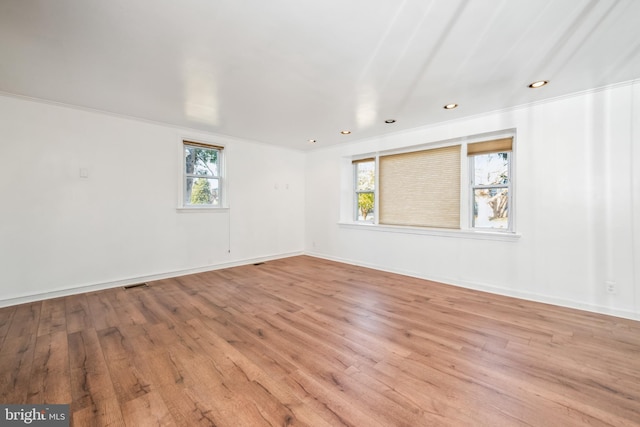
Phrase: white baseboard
[530,296]
[626,314]
[39,296]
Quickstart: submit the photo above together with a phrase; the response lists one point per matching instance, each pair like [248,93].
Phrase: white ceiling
[285,71]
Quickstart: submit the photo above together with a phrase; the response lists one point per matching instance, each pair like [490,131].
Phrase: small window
[490,165]
[365,179]
[202,175]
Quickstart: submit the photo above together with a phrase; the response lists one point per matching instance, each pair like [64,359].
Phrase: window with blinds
[421,188]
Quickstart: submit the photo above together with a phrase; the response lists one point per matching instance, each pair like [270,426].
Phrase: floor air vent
[137,285]
[258,263]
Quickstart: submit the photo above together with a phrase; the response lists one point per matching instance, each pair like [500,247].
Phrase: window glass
[203,191]
[491,208]
[201,161]
[365,180]
[365,175]
[491,169]
[202,175]
[490,190]
[366,203]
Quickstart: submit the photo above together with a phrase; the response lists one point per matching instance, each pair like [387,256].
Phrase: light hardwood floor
[305,341]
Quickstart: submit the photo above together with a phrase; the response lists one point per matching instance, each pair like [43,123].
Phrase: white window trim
[190,209]
[466,221]
[510,192]
[441,232]
[223,185]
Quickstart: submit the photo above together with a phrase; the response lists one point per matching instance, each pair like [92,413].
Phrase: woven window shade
[202,145]
[421,188]
[493,146]
[370,159]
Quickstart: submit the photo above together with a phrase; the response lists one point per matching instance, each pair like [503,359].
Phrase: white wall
[60,233]
[577,206]
[577,203]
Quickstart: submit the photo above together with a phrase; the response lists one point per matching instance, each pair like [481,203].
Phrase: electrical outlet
[611,287]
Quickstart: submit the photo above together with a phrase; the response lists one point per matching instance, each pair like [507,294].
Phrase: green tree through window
[201,192]
[365,204]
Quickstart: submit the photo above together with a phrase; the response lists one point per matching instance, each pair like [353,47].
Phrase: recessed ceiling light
[539,83]
[450,106]
[345,132]
[312,141]
[390,121]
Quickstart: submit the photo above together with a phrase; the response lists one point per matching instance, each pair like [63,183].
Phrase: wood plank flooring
[305,341]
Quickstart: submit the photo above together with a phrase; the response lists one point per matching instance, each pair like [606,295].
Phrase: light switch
[84,173]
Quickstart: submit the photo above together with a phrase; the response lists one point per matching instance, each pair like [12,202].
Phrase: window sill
[503,236]
[193,209]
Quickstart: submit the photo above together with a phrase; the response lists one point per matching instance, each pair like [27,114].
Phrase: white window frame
[473,187]
[357,192]
[220,177]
